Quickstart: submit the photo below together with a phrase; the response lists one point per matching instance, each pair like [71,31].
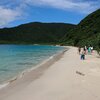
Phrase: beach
[63,77]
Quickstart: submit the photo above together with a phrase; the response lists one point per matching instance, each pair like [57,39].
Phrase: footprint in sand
[80,73]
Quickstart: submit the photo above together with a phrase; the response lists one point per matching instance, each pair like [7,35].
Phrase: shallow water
[14,59]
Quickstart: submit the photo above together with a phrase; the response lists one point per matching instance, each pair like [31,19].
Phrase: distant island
[87,32]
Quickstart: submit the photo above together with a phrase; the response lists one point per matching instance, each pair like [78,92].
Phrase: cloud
[12,10]
[8,15]
[80,6]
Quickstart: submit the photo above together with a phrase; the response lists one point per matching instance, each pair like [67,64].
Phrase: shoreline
[66,78]
[49,61]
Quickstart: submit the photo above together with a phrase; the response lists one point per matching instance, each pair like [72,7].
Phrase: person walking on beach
[85,49]
[79,50]
[89,50]
[83,52]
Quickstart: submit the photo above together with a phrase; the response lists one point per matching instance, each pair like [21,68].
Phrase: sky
[16,12]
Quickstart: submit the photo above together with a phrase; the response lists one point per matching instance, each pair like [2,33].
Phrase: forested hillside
[42,33]
[87,32]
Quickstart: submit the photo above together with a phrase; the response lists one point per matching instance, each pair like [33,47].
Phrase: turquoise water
[14,59]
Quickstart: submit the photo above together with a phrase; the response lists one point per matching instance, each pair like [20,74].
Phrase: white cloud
[12,10]
[8,15]
[81,6]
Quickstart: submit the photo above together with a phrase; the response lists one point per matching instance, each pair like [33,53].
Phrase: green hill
[87,32]
[42,33]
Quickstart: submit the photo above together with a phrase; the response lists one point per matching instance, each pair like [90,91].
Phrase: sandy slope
[67,79]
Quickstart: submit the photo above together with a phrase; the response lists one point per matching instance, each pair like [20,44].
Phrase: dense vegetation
[42,33]
[87,32]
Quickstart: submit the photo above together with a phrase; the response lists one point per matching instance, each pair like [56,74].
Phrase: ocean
[14,59]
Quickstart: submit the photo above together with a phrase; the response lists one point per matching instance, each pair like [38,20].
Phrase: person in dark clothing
[83,54]
[79,50]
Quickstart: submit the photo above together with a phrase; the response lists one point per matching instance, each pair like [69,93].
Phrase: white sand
[67,79]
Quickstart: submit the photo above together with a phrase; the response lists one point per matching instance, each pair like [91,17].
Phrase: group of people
[85,50]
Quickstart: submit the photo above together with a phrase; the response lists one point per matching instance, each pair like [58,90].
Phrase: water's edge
[48,62]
